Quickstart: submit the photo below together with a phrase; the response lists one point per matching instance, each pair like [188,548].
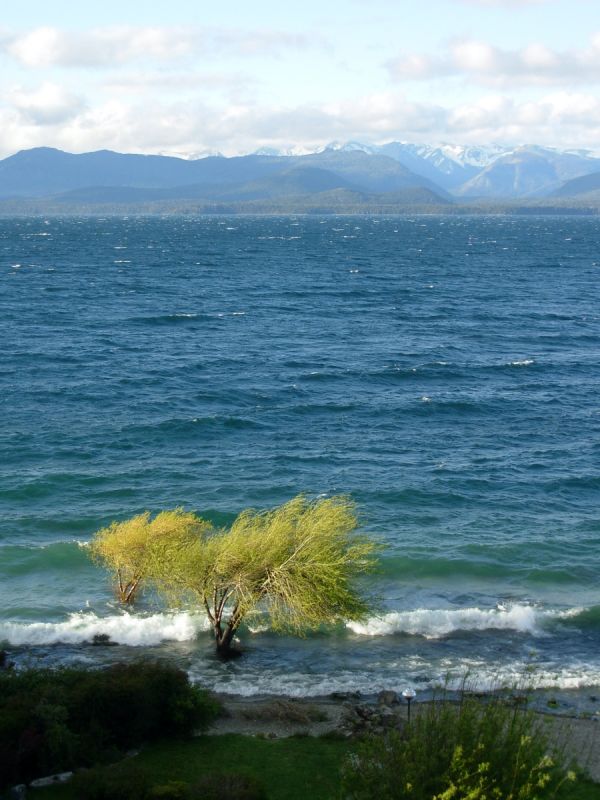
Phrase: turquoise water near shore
[442,370]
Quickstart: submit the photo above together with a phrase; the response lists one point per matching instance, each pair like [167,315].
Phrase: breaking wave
[435,623]
[298,683]
[138,630]
[128,629]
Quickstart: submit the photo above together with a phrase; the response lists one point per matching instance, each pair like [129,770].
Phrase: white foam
[434,623]
[82,543]
[290,682]
[525,362]
[526,676]
[125,628]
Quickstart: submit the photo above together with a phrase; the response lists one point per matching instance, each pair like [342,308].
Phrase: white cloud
[155,81]
[45,47]
[49,104]
[484,63]
[560,118]
[113,46]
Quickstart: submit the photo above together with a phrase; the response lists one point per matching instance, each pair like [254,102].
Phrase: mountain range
[347,174]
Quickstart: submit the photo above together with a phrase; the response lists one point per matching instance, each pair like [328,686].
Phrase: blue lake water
[444,371]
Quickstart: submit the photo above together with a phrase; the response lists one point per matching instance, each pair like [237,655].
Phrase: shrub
[130,703]
[54,720]
[480,750]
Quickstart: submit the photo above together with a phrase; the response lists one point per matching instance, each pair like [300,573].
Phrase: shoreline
[347,714]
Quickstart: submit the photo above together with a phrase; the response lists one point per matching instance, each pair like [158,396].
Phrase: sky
[190,78]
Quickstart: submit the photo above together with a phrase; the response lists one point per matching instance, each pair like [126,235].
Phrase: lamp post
[409,695]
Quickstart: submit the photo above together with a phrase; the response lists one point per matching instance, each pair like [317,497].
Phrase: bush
[128,704]
[54,720]
[480,750]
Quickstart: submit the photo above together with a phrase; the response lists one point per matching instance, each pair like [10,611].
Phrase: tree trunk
[127,590]
[223,639]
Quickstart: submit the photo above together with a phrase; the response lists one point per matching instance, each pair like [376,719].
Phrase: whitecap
[134,630]
[435,623]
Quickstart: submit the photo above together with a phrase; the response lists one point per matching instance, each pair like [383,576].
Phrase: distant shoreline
[33,210]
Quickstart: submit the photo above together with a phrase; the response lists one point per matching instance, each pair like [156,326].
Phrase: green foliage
[141,545]
[298,563]
[55,720]
[291,769]
[469,751]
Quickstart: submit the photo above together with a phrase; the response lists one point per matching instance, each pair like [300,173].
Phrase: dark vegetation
[338,202]
[136,784]
[55,720]
[50,721]
[231,767]
[227,767]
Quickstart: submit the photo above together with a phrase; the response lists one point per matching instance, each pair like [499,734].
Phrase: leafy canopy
[140,547]
[298,562]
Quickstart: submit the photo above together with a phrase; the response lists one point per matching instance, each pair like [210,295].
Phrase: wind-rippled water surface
[444,371]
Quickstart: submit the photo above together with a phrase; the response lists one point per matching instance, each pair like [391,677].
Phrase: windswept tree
[298,564]
[141,547]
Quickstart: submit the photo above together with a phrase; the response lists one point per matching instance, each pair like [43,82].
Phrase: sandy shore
[280,716]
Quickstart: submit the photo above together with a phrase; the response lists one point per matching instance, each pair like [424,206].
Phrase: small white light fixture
[409,695]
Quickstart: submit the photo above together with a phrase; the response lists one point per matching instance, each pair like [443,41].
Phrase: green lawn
[291,769]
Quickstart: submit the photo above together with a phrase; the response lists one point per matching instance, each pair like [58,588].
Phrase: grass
[290,769]
[302,768]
